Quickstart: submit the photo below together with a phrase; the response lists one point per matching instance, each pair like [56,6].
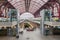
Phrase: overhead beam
[16,2]
[36,2]
[35,5]
[21,12]
[9,5]
[43,0]
[41,6]
[18,5]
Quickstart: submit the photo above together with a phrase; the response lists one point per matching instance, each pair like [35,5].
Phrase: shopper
[21,31]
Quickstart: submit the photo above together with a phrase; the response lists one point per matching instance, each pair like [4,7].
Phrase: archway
[26,15]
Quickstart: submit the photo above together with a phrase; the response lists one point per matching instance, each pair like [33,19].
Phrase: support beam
[43,1]
[42,22]
[17,2]
[36,2]
[17,26]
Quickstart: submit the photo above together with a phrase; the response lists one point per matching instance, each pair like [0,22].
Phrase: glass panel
[47,15]
[18,4]
[45,0]
[38,1]
[41,2]
[13,15]
[14,2]
[21,7]
[37,4]
[9,0]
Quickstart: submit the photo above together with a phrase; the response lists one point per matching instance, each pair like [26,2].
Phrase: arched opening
[26,15]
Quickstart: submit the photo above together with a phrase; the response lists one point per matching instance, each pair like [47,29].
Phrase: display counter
[54,27]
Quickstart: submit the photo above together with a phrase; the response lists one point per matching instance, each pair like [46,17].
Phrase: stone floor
[34,35]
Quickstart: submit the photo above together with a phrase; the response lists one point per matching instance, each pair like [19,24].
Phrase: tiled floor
[35,35]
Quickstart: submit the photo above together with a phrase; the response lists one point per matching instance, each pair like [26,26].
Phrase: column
[17,26]
[42,21]
[50,13]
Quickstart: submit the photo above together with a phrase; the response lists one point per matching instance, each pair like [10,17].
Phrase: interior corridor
[29,19]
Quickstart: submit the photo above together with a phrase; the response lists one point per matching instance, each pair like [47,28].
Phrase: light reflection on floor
[34,35]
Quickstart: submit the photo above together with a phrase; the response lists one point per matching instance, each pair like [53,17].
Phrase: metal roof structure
[27,5]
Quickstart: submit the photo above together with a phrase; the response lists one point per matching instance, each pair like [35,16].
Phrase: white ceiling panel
[33,3]
[19,4]
[13,1]
[38,1]
[42,3]
[45,0]
[9,0]
[21,8]
[33,8]
[36,4]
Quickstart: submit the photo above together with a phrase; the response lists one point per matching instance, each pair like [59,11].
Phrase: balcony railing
[7,22]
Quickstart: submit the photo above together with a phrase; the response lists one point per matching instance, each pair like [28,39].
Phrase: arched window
[26,16]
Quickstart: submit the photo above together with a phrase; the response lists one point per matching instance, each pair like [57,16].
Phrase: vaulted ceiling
[27,5]
[32,6]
